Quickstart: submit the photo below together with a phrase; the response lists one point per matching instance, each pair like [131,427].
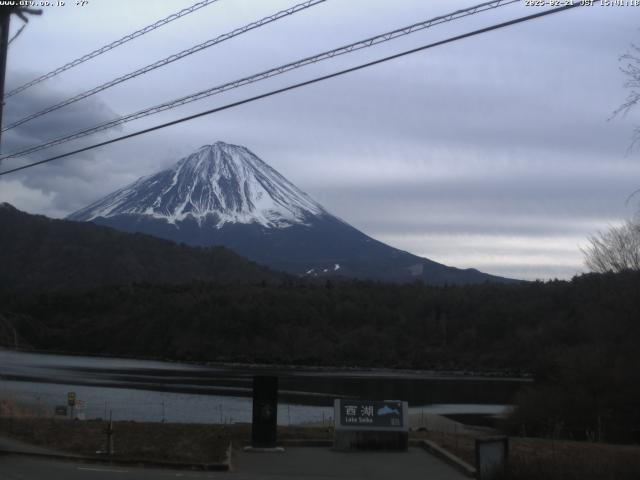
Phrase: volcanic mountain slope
[40,253]
[223,194]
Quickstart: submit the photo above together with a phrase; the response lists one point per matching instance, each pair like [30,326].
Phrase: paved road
[25,468]
[11,444]
[322,463]
[295,463]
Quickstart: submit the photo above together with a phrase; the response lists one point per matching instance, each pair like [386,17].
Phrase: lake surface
[144,390]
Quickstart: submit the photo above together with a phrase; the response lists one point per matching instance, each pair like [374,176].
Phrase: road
[25,468]
[298,463]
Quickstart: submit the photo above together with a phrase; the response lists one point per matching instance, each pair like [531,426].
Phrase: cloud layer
[494,152]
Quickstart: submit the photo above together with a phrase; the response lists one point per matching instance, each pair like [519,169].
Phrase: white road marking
[156,473]
[113,470]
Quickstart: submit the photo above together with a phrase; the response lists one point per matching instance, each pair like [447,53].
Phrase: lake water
[145,390]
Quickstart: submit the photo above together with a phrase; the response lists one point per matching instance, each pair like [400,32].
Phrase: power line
[170,59]
[5,21]
[17,34]
[298,85]
[112,45]
[384,37]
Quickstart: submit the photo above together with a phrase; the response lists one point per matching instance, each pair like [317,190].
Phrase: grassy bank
[529,458]
[169,442]
[539,458]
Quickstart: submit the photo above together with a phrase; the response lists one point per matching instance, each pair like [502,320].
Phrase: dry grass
[132,440]
[529,458]
[173,442]
[534,458]
[11,408]
[538,458]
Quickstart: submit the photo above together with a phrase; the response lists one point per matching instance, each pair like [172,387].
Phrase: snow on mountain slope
[221,181]
[225,195]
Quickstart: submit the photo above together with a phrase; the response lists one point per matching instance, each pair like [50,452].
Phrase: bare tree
[631,68]
[615,250]
[618,248]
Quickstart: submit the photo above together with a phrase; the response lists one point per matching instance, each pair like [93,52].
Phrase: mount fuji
[223,194]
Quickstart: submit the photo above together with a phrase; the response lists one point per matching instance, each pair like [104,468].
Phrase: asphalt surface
[322,463]
[14,467]
[294,463]
[13,445]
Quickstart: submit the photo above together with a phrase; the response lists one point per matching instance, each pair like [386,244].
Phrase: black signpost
[71,401]
[371,424]
[265,413]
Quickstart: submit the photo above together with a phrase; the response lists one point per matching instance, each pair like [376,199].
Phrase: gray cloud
[494,152]
[60,186]
[47,127]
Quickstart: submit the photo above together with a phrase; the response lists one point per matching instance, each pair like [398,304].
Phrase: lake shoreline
[144,390]
[266,369]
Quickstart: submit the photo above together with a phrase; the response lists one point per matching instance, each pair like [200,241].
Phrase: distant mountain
[39,253]
[225,195]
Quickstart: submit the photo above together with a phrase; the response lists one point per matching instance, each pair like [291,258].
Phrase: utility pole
[5,20]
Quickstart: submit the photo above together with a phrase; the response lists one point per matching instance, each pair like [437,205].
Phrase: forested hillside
[516,327]
[579,339]
[41,254]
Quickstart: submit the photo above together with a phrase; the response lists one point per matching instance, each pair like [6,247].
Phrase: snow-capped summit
[227,183]
[225,195]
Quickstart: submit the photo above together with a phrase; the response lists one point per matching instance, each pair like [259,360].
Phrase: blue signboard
[374,414]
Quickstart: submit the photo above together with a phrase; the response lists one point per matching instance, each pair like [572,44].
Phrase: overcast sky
[494,152]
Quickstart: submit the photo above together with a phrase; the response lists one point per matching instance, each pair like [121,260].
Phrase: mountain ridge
[44,254]
[223,194]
